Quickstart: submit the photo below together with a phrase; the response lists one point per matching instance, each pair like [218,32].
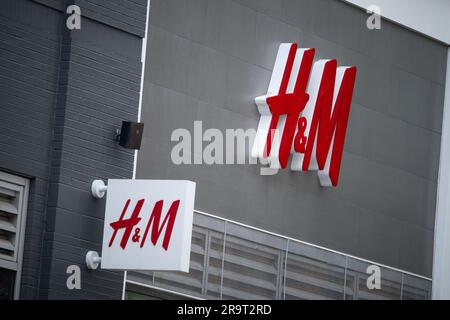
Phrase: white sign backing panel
[148,225]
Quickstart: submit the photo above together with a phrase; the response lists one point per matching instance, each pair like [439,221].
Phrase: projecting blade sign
[148,225]
[305,113]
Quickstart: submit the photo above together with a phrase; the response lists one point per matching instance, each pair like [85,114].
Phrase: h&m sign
[305,113]
[148,225]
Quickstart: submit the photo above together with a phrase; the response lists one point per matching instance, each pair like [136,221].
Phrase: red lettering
[329,122]
[289,104]
[300,138]
[319,128]
[127,224]
[157,229]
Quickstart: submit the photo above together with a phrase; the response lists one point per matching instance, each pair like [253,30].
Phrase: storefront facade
[255,236]
[208,60]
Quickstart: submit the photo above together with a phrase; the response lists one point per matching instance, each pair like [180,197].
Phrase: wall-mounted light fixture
[130,135]
[93,260]
[98,191]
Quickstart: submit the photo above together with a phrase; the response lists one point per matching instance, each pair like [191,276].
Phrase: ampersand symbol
[300,138]
[136,236]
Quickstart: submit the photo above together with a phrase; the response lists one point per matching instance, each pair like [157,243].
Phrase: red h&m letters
[153,222]
[309,104]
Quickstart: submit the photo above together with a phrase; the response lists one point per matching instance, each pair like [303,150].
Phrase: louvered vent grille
[10,207]
[13,208]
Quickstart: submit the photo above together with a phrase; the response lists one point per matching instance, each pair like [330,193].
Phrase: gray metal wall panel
[208,59]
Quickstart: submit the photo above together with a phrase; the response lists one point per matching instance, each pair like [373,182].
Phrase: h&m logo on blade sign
[154,222]
[148,225]
[309,104]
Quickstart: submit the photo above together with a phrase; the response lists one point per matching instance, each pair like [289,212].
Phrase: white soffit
[431,17]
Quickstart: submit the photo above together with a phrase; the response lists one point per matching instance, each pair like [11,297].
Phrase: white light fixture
[93,260]
[98,189]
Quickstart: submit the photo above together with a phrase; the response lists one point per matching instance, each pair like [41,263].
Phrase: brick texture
[62,95]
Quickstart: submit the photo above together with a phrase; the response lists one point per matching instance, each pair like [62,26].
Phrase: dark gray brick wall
[62,94]
[126,15]
[29,52]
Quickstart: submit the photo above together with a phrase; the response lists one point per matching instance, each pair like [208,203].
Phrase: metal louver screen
[10,207]
[415,288]
[308,278]
[13,197]
[233,261]
[253,264]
